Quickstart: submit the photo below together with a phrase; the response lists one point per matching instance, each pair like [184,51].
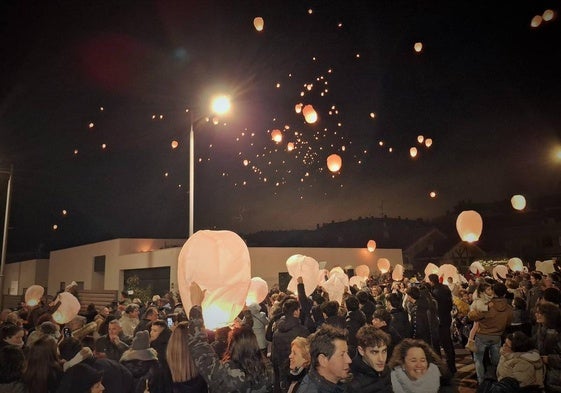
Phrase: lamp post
[5,235]
[219,105]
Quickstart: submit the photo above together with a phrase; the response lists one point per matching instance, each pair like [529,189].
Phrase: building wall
[76,264]
[25,273]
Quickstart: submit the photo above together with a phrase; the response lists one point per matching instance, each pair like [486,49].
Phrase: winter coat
[354,321]
[315,383]
[223,377]
[400,322]
[143,370]
[13,387]
[260,322]
[497,319]
[443,296]
[526,367]
[288,328]
[424,322]
[549,344]
[367,380]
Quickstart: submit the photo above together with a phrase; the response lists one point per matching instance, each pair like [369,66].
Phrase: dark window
[156,277]
[99,264]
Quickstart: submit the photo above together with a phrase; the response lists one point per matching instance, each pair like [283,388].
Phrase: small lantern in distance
[420,139]
[413,152]
[469,225]
[310,115]
[258,23]
[428,142]
[518,202]
[334,163]
[276,135]
[418,47]
[371,245]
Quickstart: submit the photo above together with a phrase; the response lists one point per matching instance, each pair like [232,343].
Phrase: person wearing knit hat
[141,360]
[85,379]
[140,348]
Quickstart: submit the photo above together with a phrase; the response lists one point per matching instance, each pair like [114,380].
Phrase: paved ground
[466,378]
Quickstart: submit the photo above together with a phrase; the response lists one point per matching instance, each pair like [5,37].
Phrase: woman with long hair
[43,371]
[417,368]
[300,360]
[548,338]
[185,376]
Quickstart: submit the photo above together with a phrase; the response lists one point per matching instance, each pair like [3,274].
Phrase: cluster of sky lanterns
[427,142]
[547,16]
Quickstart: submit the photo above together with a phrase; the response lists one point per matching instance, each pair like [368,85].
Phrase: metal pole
[5,236]
[191,176]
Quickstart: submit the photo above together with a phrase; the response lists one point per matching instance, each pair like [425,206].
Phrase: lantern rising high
[518,202]
[258,23]
[334,163]
[469,225]
[371,245]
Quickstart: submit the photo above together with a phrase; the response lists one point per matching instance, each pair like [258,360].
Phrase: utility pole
[5,236]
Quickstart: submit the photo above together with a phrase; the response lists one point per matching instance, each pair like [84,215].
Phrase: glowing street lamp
[219,106]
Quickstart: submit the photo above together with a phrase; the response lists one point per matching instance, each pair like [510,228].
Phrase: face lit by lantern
[413,152]
[371,245]
[258,23]
[276,135]
[469,225]
[518,202]
[334,163]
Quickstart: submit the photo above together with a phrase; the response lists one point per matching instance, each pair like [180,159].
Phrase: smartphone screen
[170,322]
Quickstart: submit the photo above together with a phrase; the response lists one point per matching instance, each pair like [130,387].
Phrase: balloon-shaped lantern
[258,22]
[431,268]
[546,267]
[359,281]
[448,270]
[305,267]
[258,290]
[310,114]
[290,146]
[298,107]
[428,142]
[222,306]
[334,163]
[371,245]
[518,202]
[515,264]
[218,261]
[276,135]
[476,268]
[500,272]
[68,308]
[362,271]
[336,284]
[383,265]
[33,295]
[413,152]
[420,138]
[397,274]
[469,225]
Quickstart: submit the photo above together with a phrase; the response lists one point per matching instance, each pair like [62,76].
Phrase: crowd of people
[388,336]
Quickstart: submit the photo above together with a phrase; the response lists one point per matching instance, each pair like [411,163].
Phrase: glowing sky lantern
[476,267]
[420,139]
[413,152]
[548,15]
[357,281]
[428,142]
[469,225]
[383,265]
[431,268]
[518,202]
[418,47]
[372,115]
[223,305]
[276,135]
[290,146]
[371,245]
[33,295]
[432,194]
[310,114]
[336,284]
[500,272]
[245,162]
[536,21]
[257,292]
[515,264]
[68,309]
[174,144]
[334,163]
[397,274]
[258,22]
[362,271]
[305,267]
[218,261]
[298,107]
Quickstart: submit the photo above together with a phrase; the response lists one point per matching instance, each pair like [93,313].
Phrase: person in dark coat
[422,315]
[332,317]
[367,306]
[353,322]
[382,320]
[116,377]
[142,362]
[159,337]
[150,315]
[11,372]
[443,296]
[370,371]
[287,329]
[400,319]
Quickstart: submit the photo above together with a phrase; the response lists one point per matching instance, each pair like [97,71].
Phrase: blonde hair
[304,345]
[179,358]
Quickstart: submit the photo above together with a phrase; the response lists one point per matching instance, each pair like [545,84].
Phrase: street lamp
[219,106]
[5,236]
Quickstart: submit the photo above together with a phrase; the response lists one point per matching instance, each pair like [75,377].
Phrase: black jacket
[367,380]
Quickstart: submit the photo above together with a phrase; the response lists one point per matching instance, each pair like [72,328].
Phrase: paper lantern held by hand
[476,268]
[222,306]
[357,281]
[33,295]
[68,308]
[397,274]
[305,267]
[448,270]
[515,264]
[546,267]
[469,225]
[362,271]
[431,268]
[500,272]
[383,265]
[258,290]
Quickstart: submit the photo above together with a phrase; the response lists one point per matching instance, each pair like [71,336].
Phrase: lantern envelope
[518,202]
[371,245]
[258,23]
[397,274]
[212,259]
[33,295]
[334,162]
[222,306]
[448,270]
[258,290]
[431,268]
[362,271]
[68,309]
[359,281]
[476,267]
[305,267]
[500,272]
[515,264]
[310,114]
[469,225]
[336,285]
[383,265]
[546,267]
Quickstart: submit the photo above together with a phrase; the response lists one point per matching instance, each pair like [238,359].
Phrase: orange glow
[174,144]
[413,152]
[334,163]
[536,21]
[548,15]
[276,135]
[258,22]
[428,142]
[420,139]
[469,225]
[371,245]
[418,47]
[310,114]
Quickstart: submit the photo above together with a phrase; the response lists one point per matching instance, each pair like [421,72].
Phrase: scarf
[428,383]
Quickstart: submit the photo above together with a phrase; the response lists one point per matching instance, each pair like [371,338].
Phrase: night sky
[486,88]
